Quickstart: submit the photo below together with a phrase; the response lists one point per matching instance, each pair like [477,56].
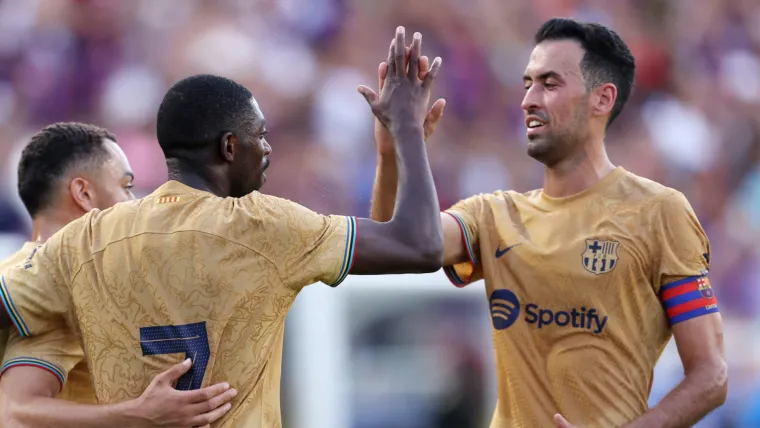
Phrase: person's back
[185,272]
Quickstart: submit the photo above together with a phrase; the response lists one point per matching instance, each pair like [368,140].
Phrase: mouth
[534,125]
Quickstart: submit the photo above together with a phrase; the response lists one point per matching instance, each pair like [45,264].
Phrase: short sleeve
[35,293]
[684,259]
[306,246]
[467,212]
[57,352]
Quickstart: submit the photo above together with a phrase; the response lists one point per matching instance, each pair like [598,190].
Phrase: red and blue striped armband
[688,298]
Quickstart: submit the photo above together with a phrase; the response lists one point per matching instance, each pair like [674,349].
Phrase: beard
[555,145]
[552,148]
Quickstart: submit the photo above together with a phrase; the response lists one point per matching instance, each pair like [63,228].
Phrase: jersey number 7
[190,339]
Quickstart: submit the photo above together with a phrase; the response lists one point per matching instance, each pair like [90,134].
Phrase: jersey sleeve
[306,246]
[467,212]
[684,260]
[56,352]
[35,293]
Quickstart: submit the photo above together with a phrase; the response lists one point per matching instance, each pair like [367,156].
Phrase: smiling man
[589,277]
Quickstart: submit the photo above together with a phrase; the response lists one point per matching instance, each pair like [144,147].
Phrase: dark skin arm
[27,399]
[386,176]
[411,241]
[386,183]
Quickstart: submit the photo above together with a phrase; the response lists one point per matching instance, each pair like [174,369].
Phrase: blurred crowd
[693,122]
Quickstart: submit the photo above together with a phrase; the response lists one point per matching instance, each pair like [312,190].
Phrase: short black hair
[606,59]
[51,154]
[198,110]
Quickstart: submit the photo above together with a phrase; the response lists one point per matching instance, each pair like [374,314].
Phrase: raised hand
[404,97]
[383,137]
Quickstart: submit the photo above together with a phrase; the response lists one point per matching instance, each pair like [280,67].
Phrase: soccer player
[66,170]
[588,277]
[207,267]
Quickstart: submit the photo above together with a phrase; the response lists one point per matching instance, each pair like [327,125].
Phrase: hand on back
[163,406]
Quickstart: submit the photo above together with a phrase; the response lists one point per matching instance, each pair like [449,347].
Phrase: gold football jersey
[183,273]
[583,291]
[58,352]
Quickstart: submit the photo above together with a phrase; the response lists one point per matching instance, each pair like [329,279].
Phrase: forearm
[416,213]
[52,412]
[696,396]
[384,188]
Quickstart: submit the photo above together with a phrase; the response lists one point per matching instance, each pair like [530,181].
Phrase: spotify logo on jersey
[505,309]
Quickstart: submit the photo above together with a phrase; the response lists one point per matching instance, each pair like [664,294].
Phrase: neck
[195,177]
[578,172]
[49,223]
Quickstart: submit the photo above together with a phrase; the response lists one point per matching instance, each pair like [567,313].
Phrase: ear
[82,194]
[228,146]
[603,99]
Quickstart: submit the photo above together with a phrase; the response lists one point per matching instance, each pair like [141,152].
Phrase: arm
[411,241]
[27,400]
[384,188]
[705,383]
[384,201]
[692,308]
[387,175]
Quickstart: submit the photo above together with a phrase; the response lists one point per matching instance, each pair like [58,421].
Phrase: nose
[532,99]
[267,148]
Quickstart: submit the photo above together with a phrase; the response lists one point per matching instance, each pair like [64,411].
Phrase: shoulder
[485,200]
[649,195]
[19,257]
[260,206]
[643,188]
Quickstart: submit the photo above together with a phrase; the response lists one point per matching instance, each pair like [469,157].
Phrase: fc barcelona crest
[600,256]
[705,290]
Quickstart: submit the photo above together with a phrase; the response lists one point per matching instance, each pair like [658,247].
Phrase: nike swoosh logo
[500,252]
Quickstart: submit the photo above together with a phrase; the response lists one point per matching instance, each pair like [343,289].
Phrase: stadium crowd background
[693,123]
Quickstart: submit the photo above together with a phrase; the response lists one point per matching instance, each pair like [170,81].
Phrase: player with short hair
[207,266]
[67,170]
[589,277]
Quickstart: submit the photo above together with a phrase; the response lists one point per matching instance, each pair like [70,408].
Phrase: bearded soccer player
[66,170]
[589,277]
[207,266]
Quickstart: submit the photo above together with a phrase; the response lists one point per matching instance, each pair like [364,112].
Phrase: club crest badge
[600,256]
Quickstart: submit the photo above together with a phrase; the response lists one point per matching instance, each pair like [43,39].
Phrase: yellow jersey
[583,291]
[58,352]
[183,273]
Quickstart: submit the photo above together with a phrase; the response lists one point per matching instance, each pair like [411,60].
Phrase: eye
[550,85]
[263,135]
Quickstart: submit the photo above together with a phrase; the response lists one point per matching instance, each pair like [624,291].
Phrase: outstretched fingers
[430,77]
[399,48]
